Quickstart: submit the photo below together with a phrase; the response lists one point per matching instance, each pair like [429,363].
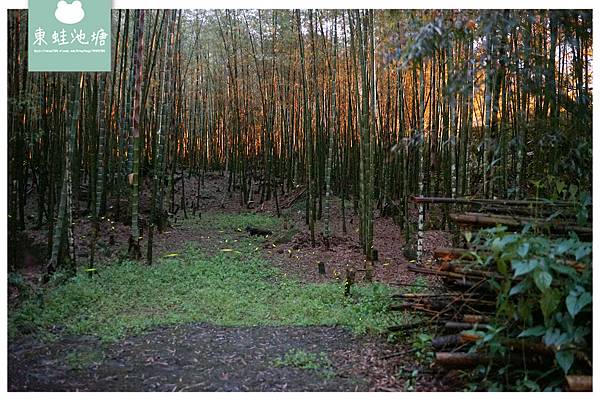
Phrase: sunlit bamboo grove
[365,106]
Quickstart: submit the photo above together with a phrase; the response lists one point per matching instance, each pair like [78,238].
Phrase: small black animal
[258,231]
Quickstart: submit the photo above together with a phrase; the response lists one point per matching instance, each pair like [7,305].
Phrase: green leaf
[524,266]
[523,249]
[554,337]
[524,311]
[501,266]
[565,360]
[576,301]
[563,247]
[582,251]
[533,332]
[425,338]
[573,189]
[519,288]
[497,245]
[549,302]
[536,183]
[562,268]
[542,279]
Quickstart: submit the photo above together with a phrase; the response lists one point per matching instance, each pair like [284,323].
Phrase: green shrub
[545,295]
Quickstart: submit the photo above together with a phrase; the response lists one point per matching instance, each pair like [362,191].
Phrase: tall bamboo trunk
[134,239]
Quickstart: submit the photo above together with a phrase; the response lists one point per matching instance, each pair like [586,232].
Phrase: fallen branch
[291,201]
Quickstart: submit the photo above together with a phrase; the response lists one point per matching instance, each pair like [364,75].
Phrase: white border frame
[288,4]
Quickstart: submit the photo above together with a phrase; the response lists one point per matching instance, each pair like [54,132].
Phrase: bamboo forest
[305,200]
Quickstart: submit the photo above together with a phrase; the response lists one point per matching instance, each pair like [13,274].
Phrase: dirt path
[202,357]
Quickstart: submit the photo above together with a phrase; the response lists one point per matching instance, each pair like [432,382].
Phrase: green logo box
[69,35]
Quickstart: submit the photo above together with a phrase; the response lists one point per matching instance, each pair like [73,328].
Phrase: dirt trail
[203,357]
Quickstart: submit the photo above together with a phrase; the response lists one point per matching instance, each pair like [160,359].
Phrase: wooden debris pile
[461,311]
[551,217]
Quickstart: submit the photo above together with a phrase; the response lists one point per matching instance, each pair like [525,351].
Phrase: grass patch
[234,288]
[285,236]
[298,358]
[83,359]
[420,285]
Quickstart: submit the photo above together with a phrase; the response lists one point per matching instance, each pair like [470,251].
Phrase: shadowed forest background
[310,164]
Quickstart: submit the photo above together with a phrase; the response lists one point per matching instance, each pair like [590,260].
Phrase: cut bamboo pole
[579,383]
[465,326]
[459,359]
[448,254]
[503,202]
[490,220]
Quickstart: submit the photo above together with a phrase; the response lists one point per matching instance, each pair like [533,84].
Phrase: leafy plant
[544,295]
[422,346]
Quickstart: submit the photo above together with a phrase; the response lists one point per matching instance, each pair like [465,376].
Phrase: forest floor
[221,310]
[205,357]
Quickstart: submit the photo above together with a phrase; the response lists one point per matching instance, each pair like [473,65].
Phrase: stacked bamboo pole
[468,302]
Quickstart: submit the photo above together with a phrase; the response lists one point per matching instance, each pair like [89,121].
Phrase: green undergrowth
[233,287]
[300,359]
[83,359]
